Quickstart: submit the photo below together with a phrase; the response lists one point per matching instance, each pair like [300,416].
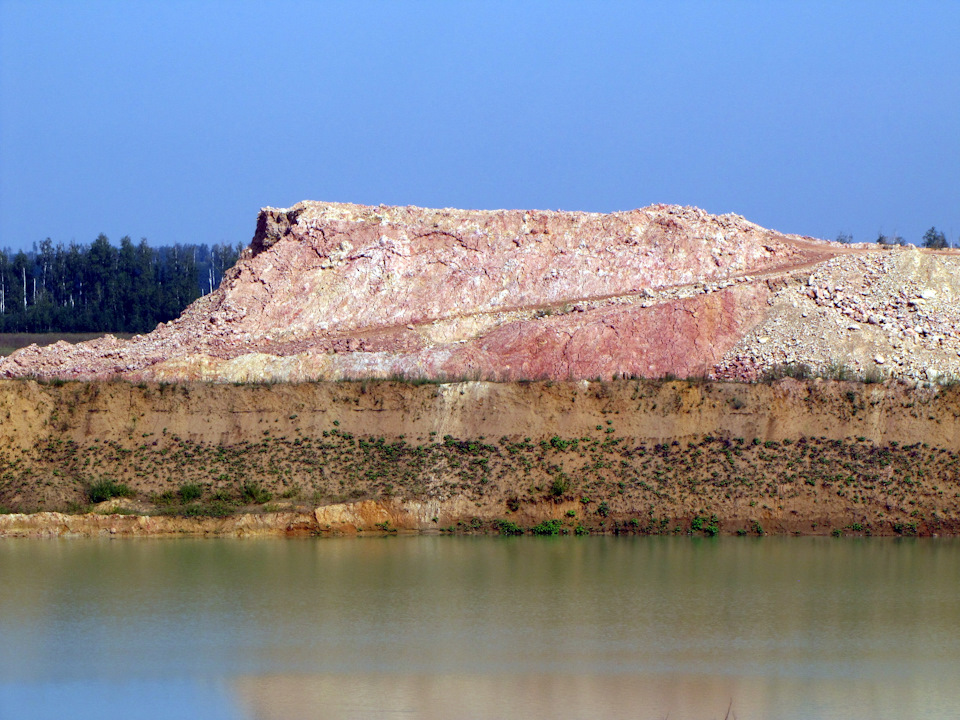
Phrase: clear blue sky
[177,121]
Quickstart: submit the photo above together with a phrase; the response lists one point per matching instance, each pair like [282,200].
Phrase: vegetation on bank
[601,482]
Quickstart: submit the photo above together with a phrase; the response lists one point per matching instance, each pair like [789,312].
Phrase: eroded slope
[635,456]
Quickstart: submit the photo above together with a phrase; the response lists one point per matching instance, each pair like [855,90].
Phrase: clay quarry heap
[332,291]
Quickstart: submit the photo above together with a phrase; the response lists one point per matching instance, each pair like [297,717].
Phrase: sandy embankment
[790,457]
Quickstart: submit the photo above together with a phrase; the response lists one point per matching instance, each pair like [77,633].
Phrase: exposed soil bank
[55,524]
[627,456]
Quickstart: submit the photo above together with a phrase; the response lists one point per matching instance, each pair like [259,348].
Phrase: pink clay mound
[332,291]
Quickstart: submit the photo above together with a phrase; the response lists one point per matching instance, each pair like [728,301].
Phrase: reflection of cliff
[589,695]
[487,627]
[529,696]
[631,456]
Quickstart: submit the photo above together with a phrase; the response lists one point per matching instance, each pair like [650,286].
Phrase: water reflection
[534,696]
[490,627]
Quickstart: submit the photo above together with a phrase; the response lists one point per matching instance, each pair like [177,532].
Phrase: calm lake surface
[445,627]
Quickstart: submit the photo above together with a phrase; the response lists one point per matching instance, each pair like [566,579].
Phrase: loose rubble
[890,313]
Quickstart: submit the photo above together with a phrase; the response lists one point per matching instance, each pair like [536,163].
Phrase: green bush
[547,527]
[107,489]
[215,508]
[559,487]
[189,492]
[905,528]
[167,497]
[508,527]
[253,492]
[710,526]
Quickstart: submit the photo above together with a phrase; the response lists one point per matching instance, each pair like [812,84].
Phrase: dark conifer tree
[101,288]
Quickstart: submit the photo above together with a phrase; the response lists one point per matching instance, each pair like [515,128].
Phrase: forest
[103,288]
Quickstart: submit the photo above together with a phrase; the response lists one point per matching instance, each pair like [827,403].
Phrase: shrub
[603,509]
[798,371]
[107,489]
[874,375]
[507,527]
[253,492]
[189,492]
[559,487]
[164,498]
[547,527]
[215,508]
[837,370]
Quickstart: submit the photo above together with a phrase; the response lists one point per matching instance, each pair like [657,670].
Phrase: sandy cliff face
[648,456]
[329,290]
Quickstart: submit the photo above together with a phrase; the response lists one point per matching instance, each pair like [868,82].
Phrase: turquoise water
[441,627]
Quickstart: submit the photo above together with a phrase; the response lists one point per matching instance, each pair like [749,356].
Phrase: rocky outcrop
[329,290]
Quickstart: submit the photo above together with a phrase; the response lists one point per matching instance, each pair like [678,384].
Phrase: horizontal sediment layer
[811,457]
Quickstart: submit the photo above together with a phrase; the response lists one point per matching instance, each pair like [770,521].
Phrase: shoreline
[371,518]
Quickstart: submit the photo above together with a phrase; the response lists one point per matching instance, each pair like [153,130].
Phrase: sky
[177,121]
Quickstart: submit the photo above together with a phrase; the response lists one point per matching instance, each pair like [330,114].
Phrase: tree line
[103,288]
[932,238]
